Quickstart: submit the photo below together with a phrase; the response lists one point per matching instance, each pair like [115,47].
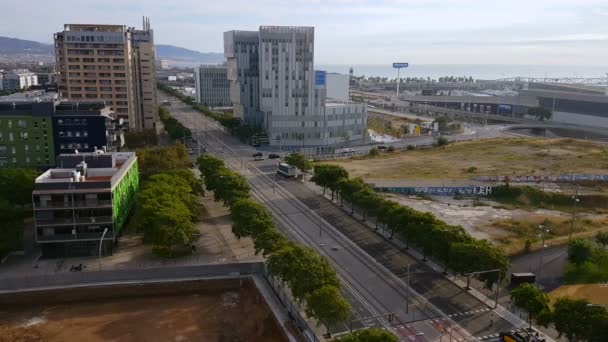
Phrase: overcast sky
[572,32]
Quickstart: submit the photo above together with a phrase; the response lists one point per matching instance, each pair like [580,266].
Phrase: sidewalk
[500,310]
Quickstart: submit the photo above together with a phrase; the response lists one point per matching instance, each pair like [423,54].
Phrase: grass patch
[531,197]
[525,232]
[501,156]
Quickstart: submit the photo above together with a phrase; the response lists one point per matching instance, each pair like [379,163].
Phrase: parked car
[257,154]
[382,147]
[260,157]
[273,156]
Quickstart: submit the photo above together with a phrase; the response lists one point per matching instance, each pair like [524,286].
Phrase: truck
[287,170]
[520,278]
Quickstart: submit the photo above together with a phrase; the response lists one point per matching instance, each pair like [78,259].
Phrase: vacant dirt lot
[501,156]
[594,293]
[194,311]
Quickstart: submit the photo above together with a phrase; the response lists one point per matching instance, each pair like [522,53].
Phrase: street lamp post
[542,232]
[100,243]
[575,201]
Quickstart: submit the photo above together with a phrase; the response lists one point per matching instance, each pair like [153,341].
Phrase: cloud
[355,31]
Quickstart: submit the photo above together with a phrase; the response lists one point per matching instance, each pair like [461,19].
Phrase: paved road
[371,269]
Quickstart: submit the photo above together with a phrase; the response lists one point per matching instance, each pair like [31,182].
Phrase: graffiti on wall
[439,190]
[573,178]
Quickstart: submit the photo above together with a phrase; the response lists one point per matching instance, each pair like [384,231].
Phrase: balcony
[66,205]
[74,237]
[70,222]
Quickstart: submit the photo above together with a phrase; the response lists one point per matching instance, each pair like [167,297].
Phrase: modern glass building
[84,202]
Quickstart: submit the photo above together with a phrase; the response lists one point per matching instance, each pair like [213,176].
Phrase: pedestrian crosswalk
[472,312]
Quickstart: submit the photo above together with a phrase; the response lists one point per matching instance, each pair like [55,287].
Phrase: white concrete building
[337,86]
[19,79]
[274,86]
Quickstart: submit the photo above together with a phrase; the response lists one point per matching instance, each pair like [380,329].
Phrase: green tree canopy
[602,238]
[531,299]
[250,218]
[302,269]
[327,305]
[328,175]
[227,186]
[269,241]
[579,251]
[577,320]
[160,159]
[11,227]
[209,165]
[348,187]
[298,160]
[17,184]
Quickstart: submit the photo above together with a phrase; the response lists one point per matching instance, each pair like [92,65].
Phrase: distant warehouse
[212,86]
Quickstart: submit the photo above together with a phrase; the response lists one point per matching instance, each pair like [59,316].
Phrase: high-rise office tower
[110,63]
[291,96]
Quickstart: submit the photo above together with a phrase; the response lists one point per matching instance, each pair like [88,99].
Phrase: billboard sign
[320,77]
[400,65]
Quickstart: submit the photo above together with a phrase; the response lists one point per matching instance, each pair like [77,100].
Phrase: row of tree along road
[448,244]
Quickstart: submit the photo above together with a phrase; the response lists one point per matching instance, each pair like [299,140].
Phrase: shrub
[374,151]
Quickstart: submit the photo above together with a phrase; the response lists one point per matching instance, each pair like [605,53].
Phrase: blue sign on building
[320,77]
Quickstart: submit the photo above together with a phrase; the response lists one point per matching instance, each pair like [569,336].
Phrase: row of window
[92,60]
[73,146]
[101,74]
[93,67]
[76,134]
[13,149]
[27,161]
[20,135]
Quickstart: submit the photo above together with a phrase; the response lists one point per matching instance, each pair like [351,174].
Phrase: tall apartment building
[33,133]
[212,85]
[87,195]
[291,97]
[110,63]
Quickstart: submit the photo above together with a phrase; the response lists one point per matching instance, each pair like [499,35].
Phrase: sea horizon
[477,71]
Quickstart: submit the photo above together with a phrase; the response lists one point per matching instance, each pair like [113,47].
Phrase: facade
[337,86]
[212,86]
[87,195]
[86,127]
[47,78]
[241,52]
[26,135]
[110,63]
[19,79]
[32,134]
[291,97]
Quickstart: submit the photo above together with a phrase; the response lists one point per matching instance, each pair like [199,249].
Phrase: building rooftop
[10,107]
[78,171]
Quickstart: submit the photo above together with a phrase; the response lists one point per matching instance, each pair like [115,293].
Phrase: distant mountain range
[15,46]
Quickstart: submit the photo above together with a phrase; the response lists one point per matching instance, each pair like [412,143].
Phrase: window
[62,146]
[59,121]
[86,145]
[85,134]
[10,136]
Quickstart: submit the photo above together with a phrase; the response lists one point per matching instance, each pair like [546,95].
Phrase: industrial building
[82,205]
[110,63]
[273,85]
[570,104]
[212,86]
[33,133]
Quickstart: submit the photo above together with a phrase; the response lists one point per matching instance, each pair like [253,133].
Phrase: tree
[302,269]
[250,219]
[227,186]
[579,251]
[369,335]
[374,151]
[602,238]
[540,113]
[159,159]
[17,184]
[531,299]
[11,227]
[575,319]
[298,160]
[367,200]
[269,241]
[328,175]
[347,187]
[209,165]
[327,305]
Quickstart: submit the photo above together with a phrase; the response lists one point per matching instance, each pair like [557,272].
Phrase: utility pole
[542,231]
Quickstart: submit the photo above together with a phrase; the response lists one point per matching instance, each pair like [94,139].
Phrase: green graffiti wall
[123,197]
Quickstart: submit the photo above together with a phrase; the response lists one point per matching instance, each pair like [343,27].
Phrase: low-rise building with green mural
[81,206]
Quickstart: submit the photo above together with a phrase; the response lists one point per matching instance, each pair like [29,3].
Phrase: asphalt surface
[373,271]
